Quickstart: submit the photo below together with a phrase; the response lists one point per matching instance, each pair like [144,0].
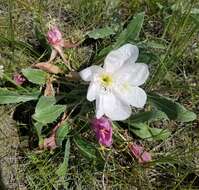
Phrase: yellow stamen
[106,80]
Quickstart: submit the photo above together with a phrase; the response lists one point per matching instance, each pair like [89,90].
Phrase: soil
[10,167]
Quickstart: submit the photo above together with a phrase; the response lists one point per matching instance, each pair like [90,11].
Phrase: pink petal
[103,131]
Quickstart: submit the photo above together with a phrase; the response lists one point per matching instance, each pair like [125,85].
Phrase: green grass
[172,53]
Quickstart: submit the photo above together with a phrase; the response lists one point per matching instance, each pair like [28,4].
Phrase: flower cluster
[115,88]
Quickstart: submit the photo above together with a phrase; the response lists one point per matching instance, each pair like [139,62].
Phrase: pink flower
[19,79]
[140,154]
[54,36]
[103,131]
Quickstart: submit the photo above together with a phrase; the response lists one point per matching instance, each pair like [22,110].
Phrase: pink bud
[103,130]
[54,36]
[140,154]
[19,79]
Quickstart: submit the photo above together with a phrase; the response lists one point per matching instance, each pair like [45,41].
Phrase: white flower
[1,71]
[115,86]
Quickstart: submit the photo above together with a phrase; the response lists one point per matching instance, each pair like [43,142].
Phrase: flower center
[106,80]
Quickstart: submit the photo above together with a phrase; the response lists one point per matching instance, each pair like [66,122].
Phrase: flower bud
[19,79]
[103,131]
[54,36]
[140,154]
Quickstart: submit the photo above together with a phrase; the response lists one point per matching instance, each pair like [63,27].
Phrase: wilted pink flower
[55,39]
[19,79]
[139,153]
[103,130]
[54,36]
[50,143]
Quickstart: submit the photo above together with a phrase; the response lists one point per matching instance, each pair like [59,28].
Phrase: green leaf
[101,33]
[35,76]
[147,116]
[64,166]
[45,101]
[62,132]
[131,33]
[174,110]
[49,114]
[185,115]
[143,131]
[38,127]
[86,148]
[46,111]
[10,97]
[159,134]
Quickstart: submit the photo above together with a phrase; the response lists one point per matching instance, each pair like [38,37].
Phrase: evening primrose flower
[103,131]
[1,71]
[115,86]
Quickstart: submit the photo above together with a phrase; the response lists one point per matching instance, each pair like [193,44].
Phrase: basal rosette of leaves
[62,100]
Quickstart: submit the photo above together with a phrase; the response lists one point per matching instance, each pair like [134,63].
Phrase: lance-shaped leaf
[35,76]
[64,166]
[62,132]
[38,127]
[148,116]
[143,131]
[86,148]
[46,111]
[10,97]
[101,33]
[174,110]
[131,33]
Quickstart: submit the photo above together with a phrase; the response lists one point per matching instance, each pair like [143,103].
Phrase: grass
[172,53]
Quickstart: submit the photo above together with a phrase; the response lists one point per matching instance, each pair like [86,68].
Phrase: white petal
[93,91]
[116,58]
[136,74]
[114,108]
[88,73]
[99,106]
[133,96]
